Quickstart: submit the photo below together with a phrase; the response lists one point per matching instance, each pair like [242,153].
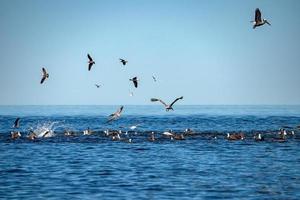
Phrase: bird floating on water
[45,75]
[238,136]
[116,115]
[124,62]
[135,81]
[91,62]
[258,21]
[168,107]
[17,123]
[15,134]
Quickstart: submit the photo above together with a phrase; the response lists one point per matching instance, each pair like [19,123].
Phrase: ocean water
[203,166]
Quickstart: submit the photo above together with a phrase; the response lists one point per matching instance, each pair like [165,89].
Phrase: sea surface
[203,166]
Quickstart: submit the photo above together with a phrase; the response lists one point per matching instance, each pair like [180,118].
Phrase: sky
[204,50]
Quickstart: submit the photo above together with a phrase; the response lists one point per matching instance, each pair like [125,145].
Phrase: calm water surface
[95,167]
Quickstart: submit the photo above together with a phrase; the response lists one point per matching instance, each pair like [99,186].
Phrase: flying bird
[116,115]
[91,62]
[45,75]
[124,62]
[154,78]
[97,85]
[258,21]
[135,81]
[17,123]
[168,107]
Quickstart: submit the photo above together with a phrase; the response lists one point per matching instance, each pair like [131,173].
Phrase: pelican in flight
[45,75]
[91,62]
[124,62]
[135,81]
[116,115]
[168,107]
[258,21]
[17,123]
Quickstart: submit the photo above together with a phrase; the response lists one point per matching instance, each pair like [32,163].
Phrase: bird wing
[154,99]
[43,79]
[175,101]
[120,110]
[257,15]
[90,66]
[135,83]
[44,71]
[16,124]
[154,78]
[89,57]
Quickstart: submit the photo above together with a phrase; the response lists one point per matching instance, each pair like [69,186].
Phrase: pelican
[258,21]
[45,75]
[116,115]
[239,136]
[15,135]
[179,137]
[91,62]
[124,62]
[32,135]
[168,107]
[135,81]
[17,123]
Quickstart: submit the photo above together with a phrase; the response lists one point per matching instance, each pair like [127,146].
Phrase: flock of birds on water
[115,135]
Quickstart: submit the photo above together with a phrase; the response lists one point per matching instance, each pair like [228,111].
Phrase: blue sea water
[199,167]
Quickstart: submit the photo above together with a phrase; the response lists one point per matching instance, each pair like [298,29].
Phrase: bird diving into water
[116,115]
[91,62]
[258,21]
[45,75]
[135,81]
[168,107]
[17,123]
[124,62]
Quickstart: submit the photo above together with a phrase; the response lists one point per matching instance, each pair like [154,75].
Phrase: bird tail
[154,99]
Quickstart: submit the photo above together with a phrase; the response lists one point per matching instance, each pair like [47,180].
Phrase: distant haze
[205,51]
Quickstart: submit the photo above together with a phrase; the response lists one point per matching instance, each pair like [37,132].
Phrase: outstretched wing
[17,124]
[257,15]
[154,99]
[89,57]
[43,79]
[90,66]
[175,101]
[135,82]
[120,110]
[44,71]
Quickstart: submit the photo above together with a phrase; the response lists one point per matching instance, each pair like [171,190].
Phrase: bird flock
[257,22]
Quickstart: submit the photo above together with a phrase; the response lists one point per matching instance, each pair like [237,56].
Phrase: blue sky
[206,51]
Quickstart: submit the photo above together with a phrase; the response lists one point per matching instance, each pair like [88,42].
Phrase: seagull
[97,85]
[45,75]
[17,123]
[135,81]
[258,21]
[91,61]
[168,107]
[154,78]
[124,62]
[116,115]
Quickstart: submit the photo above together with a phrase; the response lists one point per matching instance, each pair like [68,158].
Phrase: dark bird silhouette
[97,85]
[91,62]
[135,81]
[124,62]
[168,107]
[17,123]
[154,78]
[258,21]
[45,75]
[115,115]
